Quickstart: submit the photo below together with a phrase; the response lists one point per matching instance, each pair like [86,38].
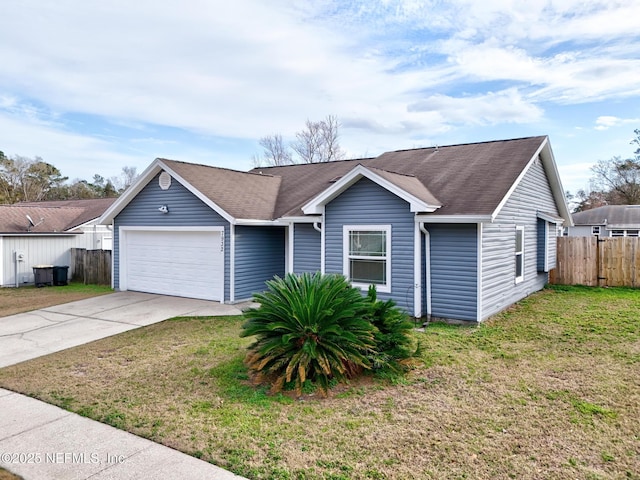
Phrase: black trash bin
[43,275]
[60,275]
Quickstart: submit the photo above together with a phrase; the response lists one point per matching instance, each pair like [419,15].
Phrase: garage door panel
[181,263]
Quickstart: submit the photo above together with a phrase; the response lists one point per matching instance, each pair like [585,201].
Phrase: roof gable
[406,187]
[234,195]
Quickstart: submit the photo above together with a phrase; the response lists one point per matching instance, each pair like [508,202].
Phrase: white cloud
[500,107]
[398,73]
[606,122]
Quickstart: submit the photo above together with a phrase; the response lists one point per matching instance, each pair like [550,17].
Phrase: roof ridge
[212,166]
[466,144]
[316,163]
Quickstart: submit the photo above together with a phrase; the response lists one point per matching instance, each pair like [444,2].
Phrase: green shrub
[309,327]
[394,349]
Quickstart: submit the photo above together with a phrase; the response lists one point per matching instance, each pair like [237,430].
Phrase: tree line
[24,179]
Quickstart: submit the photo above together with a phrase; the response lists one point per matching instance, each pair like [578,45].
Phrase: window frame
[347,257]
[519,254]
[595,230]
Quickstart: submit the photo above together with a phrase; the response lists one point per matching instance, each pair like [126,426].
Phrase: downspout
[427,266]
[318,227]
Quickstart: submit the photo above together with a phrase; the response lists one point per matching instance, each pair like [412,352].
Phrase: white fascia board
[129,194]
[260,223]
[515,184]
[358,172]
[453,218]
[206,200]
[550,218]
[46,234]
[550,166]
[622,226]
[151,171]
[551,170]
[309,219]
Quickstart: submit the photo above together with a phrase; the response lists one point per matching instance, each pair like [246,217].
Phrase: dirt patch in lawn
[548,390]
[25,299]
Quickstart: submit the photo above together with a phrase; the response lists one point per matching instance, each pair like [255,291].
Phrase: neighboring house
[457,232]
[607,221]
[37,233]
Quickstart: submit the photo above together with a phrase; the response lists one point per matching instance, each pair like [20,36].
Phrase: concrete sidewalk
[41,441]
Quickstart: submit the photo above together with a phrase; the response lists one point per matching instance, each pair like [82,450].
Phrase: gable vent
[164,181]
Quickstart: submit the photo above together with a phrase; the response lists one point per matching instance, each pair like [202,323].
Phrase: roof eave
[453,218]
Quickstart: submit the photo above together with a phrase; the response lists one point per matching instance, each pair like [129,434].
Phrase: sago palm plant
[395,350]
[309,327]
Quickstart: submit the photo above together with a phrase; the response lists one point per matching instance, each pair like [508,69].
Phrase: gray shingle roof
[469,179]
[91,208]
[611,215]
[241,194]
[57,216]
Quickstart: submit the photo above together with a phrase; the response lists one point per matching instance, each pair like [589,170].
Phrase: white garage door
[181,263]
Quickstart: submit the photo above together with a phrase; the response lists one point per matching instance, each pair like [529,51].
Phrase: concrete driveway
[29,335]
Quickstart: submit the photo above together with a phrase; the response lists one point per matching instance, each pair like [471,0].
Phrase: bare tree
[317,142]
[620,178]
[128,176]
[275,152]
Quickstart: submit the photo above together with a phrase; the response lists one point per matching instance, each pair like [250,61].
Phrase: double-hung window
[367,255]
[519,253]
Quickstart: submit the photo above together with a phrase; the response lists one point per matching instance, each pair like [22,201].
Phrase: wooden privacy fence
[594,261]
[91,266]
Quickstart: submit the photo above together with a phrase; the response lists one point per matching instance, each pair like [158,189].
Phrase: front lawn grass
[548,389]
[25,299]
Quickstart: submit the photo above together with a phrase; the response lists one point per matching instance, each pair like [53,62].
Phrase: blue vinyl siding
[260,254]
[366,203]
[185,210]
[454,263]
[499,289]
[306,248]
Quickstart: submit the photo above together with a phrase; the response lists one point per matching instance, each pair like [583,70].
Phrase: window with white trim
[595,230]
[519,254]
[624,233]
[367,256]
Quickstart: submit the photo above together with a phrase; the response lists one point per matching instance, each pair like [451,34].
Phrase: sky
[92,87]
